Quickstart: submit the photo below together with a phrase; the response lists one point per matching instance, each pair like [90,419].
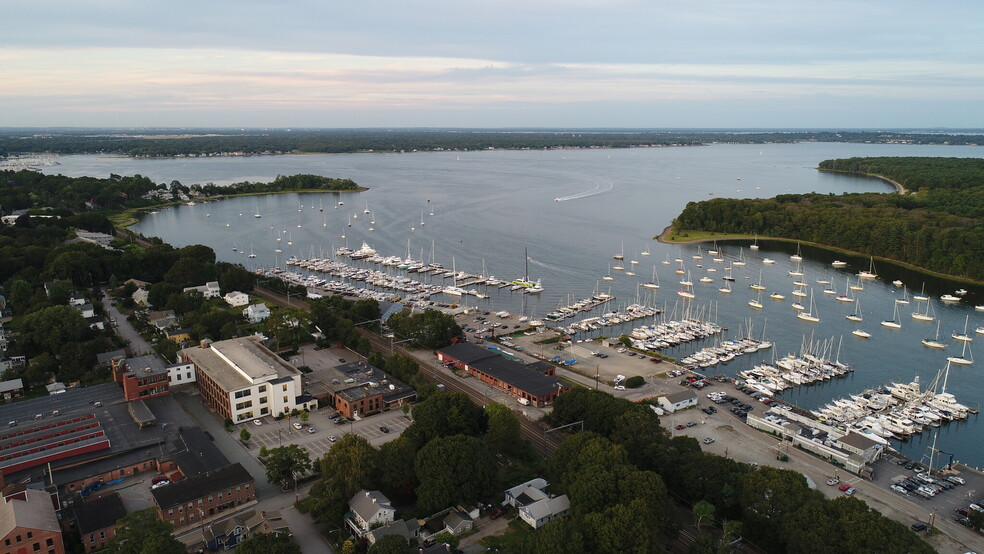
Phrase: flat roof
[519,376]
[145,365]
[680,396]
[239,363]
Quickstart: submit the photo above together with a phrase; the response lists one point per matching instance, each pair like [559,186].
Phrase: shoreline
[662,238]
[898,186]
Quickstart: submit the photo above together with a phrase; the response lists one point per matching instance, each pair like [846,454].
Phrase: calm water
[490,206]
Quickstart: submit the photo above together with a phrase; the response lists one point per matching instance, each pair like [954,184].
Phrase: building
[369,509]
[163,319]
[96,520]
[28,522]
[236,298]
[48,437]
[177,336]
[87,310]
[77,299]
[256,313]
[142,377]
[102,239]
[357,388]
[242,380]
[11,390]
[457,522]
[526,384]
[208,290]
[676,401]
[181,373]
[141,297]
[198,498]
[409,529]
[227,534]
[535,506]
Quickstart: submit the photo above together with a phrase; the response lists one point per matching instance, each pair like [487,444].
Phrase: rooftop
[680,396]
[238,363]
[367,503]
[146,365]
[99,513]
[34,513]
[513,373]
[13,384]
[198,486]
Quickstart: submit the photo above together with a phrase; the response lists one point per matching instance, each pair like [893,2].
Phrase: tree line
[208,142]
[938,226]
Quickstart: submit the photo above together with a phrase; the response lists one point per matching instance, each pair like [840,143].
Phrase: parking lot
[273,433]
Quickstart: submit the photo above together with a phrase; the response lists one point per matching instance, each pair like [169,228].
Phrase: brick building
[142,377]
[203,496]
[96,520]
[523,382]
[28,522]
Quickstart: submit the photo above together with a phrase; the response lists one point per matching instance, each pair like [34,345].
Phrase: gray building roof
[367,503]
[675,397]
[193,488]
[513,373]
[99,513]
[406,528]
[13,384]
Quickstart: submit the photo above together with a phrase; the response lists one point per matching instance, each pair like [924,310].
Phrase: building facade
[528,385]
[29,523]
[198,498]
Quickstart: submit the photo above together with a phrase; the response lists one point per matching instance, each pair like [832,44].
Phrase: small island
[935,223]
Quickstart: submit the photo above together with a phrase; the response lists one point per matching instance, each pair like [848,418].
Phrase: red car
[680,427]
[843,487]
[497,513]
[158,479]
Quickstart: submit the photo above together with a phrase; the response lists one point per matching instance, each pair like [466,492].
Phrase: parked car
[312,430]
[957,480]
[680,427]
[384,429]
[850,491]
[919,526]
[833,481]
[619,387]
[844,487]
[160,478]
[297,426]
[257,422]
[160,484]
[708,440]
[497,513]
[333,438]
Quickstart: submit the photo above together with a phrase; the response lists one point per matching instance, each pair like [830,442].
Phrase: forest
[937,225]
[209,142]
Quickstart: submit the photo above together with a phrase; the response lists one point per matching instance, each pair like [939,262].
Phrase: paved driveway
[137,343]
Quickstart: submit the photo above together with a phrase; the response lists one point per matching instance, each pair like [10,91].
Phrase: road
[138,346]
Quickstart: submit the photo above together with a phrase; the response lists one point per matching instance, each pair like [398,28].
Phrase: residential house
[409,529]
[77,299]
[228,533]
[256,313]
[87,310]
[162,320]
[11,390]
[177,336]
[458,522]
[236,298]
[368,509]
[141,297]
[28,522]
[192,500]
[535,506]
[208,290]
[676,401]
[96,520]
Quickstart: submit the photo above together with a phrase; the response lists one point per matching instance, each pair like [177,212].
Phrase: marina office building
[243,380]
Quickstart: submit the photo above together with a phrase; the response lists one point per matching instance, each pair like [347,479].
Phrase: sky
[508,63]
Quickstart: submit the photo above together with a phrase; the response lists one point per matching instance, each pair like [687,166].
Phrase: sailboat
[870,272]
[962,359]
[921,297]
[904,301]
[831,289]
[715,249]
[810,315]
[621,253]
[963,336]
[924,316]
[741,258]
[251,254]
[856,316]
[422,222]
[350,221]
[688,290]
[754,245]
[699,255]
[847,296]
[757,286]
[525,282]
[234,247]
[798,272]
[645,251]
[257,213]
[609,276]
[756,302]
[321,204]
[798,256]
[726,289]
[894,323]
[366,211]
[858,287]
[654,284]
[934,342]
[454,289]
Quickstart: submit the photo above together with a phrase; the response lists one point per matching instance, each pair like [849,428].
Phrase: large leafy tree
[46,330]
[141,532]
[453,470]
[286,463]
[348,467]
[443,415]
[502,435]
[391,544]
[429,329]
[395,475]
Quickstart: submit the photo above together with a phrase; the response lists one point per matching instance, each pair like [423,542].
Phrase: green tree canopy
[268,543]
[285,463]
[443,415]
[391,544]
[430,329]
[452,470]
[141,532]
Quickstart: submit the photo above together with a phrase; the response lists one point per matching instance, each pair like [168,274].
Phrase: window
[49,542]
[285,388]
[30,534]
[263,400]
[242,393]
[92,539]
[188,376]
[262,388]
[102,535]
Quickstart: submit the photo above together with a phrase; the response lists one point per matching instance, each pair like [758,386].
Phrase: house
[236,298]
[96,520]
[192,500]
[676,401]
[256,313]
[140,297]
[162,320]
[28,522]
[76,299]
[242,380]
[409,529]
[458,522]
[87,310]
[177,336]
[528,385]
[208,290]
[227,534]
[368,509]
[102,239]
[535,506]
[12,389]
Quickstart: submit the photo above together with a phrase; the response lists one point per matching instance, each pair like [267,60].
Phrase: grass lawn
[685,236]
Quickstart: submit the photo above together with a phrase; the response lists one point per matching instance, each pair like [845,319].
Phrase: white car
[257,422]
[297,426]
[619,387]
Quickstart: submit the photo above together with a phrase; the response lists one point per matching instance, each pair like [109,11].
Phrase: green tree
[141,532]
[285,463]
[348,547]
[305,416]
[244,435]
[703,511]
[46,330]
[431,329]
[395,475]
[452,470]
[349,466]
[559,536]
[444,415]
[21,293]
[448,539]
[268,543]
[391,544]
[503,430]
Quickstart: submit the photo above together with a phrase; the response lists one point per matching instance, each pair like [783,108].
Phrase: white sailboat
[454,289]
[621,253]
[858,287]
[688,290]
[962,359]
[921,297]
[848,295]
[924,316]
[741,258]
[856,316]
[934,342]
[726,289]
[366,211]
[257,213]
[756,302]
[759,285]
[645,252]
[964,337]
[870,272]
[609,276]
[654,284]
[810,315]
[699,255]
[904,301]
[894,323]
[798,272]
[755,244]
[251,254]
[798,256]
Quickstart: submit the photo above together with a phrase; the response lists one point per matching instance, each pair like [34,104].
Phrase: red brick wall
[30,537]
[208,506]
[149,465]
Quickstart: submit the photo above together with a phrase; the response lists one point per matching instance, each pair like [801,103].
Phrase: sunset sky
[532,63]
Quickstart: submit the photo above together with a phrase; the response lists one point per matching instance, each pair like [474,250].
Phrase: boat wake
[599,189]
